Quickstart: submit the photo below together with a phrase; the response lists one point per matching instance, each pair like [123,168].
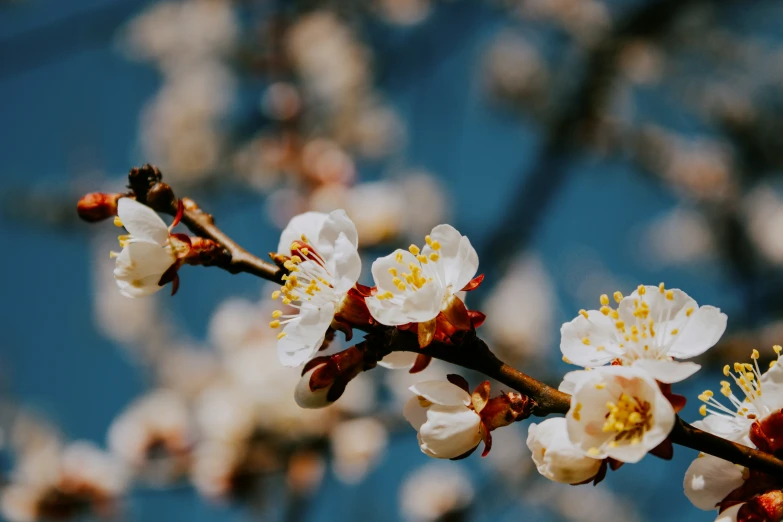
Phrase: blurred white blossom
[435,490]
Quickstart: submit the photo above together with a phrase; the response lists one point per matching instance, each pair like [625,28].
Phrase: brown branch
[470,351]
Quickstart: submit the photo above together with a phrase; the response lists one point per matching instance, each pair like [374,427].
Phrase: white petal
[667,371]
[571,380]
[458,259]
[599,330]
[449,431]
[347,264]
[142,222]
[705,328]
[415,413]
[709,480]
[772,386]
[305,397]
[336,223]
[732,428]
[442,392]
[139,267]
[304,335]
[730,514]
[398,360]
[555,456]
[308,224]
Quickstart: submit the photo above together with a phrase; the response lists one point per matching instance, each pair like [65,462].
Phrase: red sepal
[421,363]
[178,216]
[458,380]
[312,363]
[480,397]
[767,434]
[476,318]
[677,401]
[184,238]
[456,313]
[170,276]
[474,283]
[345,328]
[664,450]
[175,284]
[486,436]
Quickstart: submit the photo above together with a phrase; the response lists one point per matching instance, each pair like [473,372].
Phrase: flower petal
[398,360]
[667,371]
[730,514]
[337,222]
[458,262]
[304,335]
[308,224]
[142,222]
[414,307]
[705,328]
[599,330]
[415,413]
[733,428]
[442,392]
[709,480]
[347,264]
[450,431]
[381,269]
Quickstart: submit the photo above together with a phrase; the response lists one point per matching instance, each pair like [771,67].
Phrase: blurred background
[585,146]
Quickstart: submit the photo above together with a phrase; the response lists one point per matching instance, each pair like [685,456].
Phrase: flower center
[748,377]
[647,337]
[308,280]
[629,418]
[417,275]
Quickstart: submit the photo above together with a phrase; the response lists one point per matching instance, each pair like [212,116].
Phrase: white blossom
[616,412]
[730,514]
[556,457]
[324,266]
[762,394]
[648,330]
[434,491]
[147,252]
[356,446]
[414,286]
[441,414]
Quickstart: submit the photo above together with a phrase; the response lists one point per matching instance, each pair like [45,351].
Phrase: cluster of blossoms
[621,404]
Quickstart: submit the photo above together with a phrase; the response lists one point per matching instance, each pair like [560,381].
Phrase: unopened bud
[556,457]
[97,206]
[324,378]
[142,179]
[506,408]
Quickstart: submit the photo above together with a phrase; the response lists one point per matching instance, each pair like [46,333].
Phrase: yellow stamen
[413,249]
[274,324]
[617,296]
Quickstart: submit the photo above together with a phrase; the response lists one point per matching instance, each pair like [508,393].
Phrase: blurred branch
[577,118]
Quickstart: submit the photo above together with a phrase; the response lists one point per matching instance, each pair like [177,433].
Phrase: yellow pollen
[754,354]
[661,287]
[583,313]
[772,363]
[435,246]
[577,412]
[281,335]
[605,310]
[600,386]
[304,238]
[305,251]
[689,311]
[566,360]
[586,341]
[112,255]
[393,271]
[614,314]
[428,240]
[117,221]
[593,452]
[703,410]
[274,324]
[777,348]
[434,257]
[620,325]
[617,296]
[726,370]
[670,295]
[276,314]
[275,294]
[705,396]
[296,259]
[413,249]
[398,257]
[604,299]
[641,289]
[422,259]
[675,331]
[629,418]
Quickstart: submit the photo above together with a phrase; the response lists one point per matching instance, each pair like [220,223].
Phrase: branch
[470,351]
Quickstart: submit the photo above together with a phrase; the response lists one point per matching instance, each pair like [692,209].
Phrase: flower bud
[556,457]
[97,206]
[324,378]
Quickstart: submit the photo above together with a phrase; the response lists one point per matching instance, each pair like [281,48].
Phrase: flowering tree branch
[466,349]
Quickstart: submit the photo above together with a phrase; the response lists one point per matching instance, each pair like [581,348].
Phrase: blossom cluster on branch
[618,408]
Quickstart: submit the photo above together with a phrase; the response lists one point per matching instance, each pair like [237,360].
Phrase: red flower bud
[97,206]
